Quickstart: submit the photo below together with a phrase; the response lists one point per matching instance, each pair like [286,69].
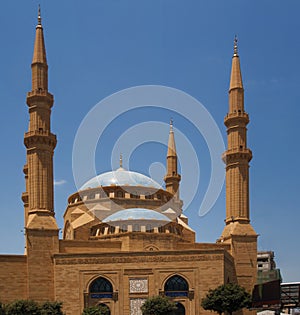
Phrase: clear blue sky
[98,47]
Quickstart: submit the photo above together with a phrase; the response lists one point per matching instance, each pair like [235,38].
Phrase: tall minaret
[39,140]
[172,177]
[41,228]
[237,156]
[238,230]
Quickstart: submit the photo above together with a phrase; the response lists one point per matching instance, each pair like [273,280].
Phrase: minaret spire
[236,89]
[172,147]
[39,140]
[39,61]
[172,177]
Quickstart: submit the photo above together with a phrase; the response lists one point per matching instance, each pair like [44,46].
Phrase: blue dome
[121,177]
[136,214]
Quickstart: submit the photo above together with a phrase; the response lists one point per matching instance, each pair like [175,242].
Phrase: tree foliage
[158,305]
[51,308]
[96,310]
[2,309]
[226,298]
[29,307]
[23,307]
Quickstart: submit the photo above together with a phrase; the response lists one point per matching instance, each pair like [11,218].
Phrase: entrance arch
[180,309]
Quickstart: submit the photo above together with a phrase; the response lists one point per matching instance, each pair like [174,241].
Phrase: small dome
[121,177]
[136,214]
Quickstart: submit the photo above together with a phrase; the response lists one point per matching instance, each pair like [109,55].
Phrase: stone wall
[13,278]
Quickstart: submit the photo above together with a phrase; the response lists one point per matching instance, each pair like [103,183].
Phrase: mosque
[125,237]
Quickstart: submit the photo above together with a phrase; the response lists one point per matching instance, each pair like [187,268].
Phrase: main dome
[121,177]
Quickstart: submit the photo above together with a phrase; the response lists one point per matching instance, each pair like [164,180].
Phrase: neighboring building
[290,297]
[267,293]
[270,293]
[265,261]
[272,296]
[125,237]
[266,268]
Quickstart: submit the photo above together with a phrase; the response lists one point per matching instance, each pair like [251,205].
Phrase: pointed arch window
[120,194]
[176,286]
[101,288]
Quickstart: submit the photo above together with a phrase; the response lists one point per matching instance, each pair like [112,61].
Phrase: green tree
[158,305]
[96,310]
[51,308]
[226,298]
[23,307]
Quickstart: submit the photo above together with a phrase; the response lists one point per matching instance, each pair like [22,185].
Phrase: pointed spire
[39,16]
[236,76]
[235,47]
[172,177]
[39,52]
[171,142]
[121,161]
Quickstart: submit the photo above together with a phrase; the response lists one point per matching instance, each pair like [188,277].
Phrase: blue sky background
[98,47]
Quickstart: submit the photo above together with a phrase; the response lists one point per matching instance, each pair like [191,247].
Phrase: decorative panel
[135,306]
[138,285]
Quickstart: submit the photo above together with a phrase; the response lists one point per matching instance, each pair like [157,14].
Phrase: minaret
[238,230]
[237,156]
[39,140]
[172,177]
[40,225]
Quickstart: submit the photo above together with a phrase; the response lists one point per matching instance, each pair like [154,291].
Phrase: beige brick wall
[41,245]
[13,278]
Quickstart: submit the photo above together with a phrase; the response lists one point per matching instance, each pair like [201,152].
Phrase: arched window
[135,195]
[112,229]
[176,286]
[91,196]
[120,194]
[148,195]
[101,288]
[68,231]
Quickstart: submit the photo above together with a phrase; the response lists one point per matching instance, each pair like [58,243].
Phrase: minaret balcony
[235,118]
[172,177]
[237,155]
[39,96]
[31,138]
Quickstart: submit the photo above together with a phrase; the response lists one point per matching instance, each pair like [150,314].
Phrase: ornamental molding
[138,259]
[138,272]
